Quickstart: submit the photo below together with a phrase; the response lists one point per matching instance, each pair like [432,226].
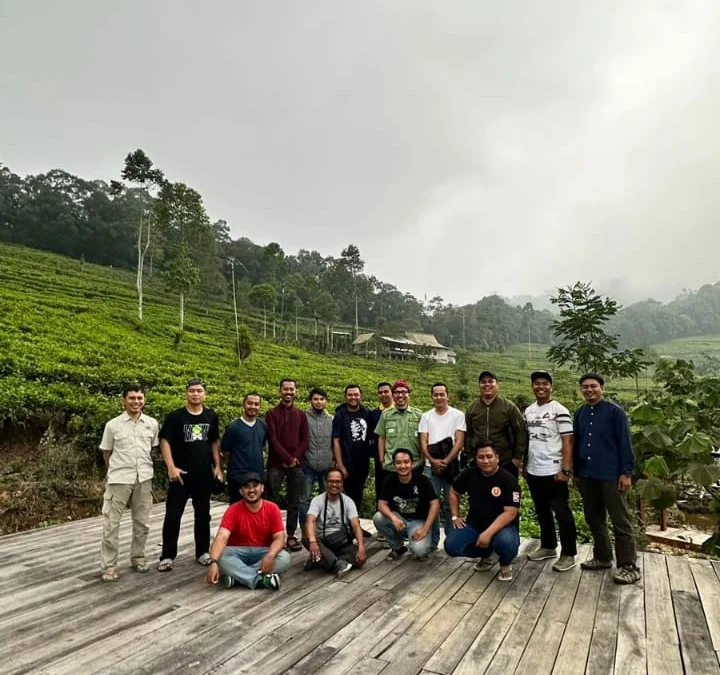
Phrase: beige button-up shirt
[130,442]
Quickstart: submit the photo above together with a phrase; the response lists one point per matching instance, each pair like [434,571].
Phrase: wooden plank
[708,587]
[603,643]
[681,578]
[663,644]
[631,653]
[695,644]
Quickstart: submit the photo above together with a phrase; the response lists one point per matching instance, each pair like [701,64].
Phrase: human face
[592,390]
[542,388]
[251,407]
[195,395]
[385,396]
[353,398]
[401,396]
[134,402]
[487,461]
[334,484]
[403,464]
[439,398]
[252,492]
[287,393]
[488,387]
[318,402]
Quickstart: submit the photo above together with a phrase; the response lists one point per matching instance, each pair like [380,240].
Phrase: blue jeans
[461,543]
[442,490]
[242,563]
[310,476]
[396,538]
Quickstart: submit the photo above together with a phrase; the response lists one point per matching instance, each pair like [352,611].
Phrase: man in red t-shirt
[249,546]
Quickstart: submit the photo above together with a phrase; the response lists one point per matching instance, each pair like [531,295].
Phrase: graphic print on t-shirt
[196,432]
[410,505]
[358,429]
[538,429]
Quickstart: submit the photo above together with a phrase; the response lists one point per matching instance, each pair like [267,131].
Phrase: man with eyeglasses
[398,428]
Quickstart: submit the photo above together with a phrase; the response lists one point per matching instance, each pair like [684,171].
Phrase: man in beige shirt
[127,445]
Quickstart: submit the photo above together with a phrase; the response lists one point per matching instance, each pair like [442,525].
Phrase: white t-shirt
[546,424]
[438,427]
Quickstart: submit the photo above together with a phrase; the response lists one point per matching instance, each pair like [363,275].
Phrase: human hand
[213,573]
[267,564]
[483,540]
[175,474]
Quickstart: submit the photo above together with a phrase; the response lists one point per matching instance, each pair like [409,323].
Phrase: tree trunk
[182,310]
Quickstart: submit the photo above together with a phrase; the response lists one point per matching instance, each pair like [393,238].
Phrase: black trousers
[295,484]
[600,499]
[329,556]
[354,484]
[550,497]
[177,497]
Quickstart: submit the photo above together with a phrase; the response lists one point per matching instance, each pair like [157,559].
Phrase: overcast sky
[466,147]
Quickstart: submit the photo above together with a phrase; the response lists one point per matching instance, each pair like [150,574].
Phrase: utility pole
[232,262]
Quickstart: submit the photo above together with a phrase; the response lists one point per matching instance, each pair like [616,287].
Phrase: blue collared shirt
[603,449]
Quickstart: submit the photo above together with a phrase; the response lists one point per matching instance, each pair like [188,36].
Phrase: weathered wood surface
[438,617]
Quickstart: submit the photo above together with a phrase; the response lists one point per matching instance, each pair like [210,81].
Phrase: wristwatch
[567,472]
[454,518]
[212,560]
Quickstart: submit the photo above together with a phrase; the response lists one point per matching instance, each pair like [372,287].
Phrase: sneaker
[564,563]
[397,554]
[342,568]
[627,575]
[367,535]
[486,564]
[227,581]
[380,538]
[204,559]
[594,564]
[270,581]
[542,554]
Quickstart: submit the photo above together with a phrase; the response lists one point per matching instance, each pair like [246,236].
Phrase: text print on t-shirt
[196,432]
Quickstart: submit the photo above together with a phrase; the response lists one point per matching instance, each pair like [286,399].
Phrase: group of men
[424,463]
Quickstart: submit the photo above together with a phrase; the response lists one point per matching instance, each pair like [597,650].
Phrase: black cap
[251,477]
[541,375]
[487,373]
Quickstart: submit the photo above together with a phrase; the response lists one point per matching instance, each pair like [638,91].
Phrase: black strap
[342,513]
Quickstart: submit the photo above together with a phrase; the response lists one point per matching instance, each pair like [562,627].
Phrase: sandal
[293,544]
[165,565]
[140,567]
[505,574]
[109,575]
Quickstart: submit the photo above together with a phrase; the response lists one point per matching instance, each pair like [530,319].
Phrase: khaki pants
[115,500]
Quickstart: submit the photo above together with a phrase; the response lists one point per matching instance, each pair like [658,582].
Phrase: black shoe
[367,535]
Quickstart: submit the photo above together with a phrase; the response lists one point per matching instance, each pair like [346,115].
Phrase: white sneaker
[342,568]
[204,559]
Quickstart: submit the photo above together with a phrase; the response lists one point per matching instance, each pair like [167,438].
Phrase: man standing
[242,445]
[495,420]
[127,444]
[319,457]
[190,446]
[248,548]
[332,523]
[604,463]
[385,401]
[549,467]
[351,443]
[407,508]
[287,446]
[491,527]
[398,428]
[442,437]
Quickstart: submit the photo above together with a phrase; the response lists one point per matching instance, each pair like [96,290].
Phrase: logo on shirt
[196,432]
[496,491]
[516,497]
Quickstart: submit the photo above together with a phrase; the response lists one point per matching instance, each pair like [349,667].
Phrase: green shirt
[399,428]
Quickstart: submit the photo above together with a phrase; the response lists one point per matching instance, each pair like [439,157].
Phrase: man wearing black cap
[190,447]
[493,419]
[249,546]
[549,468]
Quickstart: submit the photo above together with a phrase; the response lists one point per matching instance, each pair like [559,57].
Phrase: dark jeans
[461,543]
[177,496]
[600,499]
[379,477]
[329,556]
[295,481]
[310,477]
[552,496]
[354,485]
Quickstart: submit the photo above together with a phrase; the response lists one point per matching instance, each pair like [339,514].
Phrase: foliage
[581,338]
[675,429]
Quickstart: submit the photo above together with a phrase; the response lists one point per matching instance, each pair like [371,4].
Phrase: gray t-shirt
[333,524]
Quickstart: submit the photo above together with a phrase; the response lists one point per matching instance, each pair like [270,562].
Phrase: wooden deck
[391,617]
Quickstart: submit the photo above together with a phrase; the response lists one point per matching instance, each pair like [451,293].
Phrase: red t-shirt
[252,529]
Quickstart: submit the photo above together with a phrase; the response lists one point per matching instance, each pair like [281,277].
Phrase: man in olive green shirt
[493,419]
[398,428]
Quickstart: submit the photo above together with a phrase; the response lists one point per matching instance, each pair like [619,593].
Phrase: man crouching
[332,523]
[249,546]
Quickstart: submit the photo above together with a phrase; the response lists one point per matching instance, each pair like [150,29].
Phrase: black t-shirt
[411,500]
[358,433]
[191,438]
[488,495]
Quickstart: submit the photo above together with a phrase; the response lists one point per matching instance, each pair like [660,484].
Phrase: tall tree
[354,264]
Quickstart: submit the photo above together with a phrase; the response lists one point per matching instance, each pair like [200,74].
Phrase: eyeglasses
[334,482]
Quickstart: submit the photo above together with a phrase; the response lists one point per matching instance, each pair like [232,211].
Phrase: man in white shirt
[549,468]
[442,437]
[127,445]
